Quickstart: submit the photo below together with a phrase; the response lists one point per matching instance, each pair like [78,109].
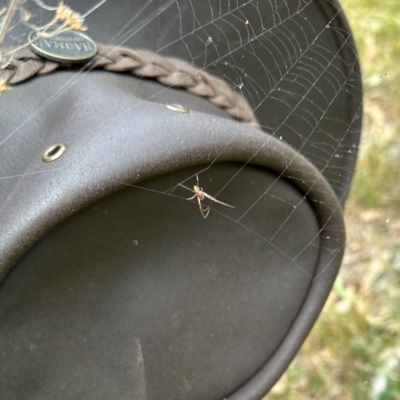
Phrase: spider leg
[191,198]
[186,188]
[216,201]
[205,210]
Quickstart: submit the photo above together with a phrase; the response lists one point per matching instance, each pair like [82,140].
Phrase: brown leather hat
[113,285]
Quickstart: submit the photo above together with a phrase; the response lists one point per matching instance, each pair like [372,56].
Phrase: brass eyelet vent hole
[177,108]
[54,152]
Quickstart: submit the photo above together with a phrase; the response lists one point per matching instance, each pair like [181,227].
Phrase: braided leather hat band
[170,72]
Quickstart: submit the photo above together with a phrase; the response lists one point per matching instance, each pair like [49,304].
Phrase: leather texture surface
[198,307]
[193,310]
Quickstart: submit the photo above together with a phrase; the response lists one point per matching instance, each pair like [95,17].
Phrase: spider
[201,195]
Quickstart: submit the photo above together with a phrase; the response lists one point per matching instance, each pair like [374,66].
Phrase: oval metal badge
[69,46]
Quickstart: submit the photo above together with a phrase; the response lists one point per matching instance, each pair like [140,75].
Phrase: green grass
[353,351]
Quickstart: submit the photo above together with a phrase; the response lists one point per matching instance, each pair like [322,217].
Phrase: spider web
[293,71]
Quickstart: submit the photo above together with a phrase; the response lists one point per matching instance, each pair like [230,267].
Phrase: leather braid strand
[143,64]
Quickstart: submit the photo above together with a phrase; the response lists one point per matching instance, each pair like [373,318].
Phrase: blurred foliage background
[353,351]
